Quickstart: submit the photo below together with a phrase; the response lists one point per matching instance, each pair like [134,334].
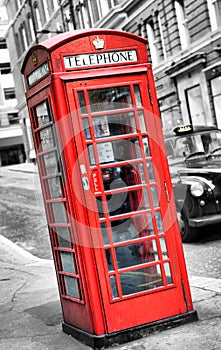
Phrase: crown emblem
[98,43]
[34,59]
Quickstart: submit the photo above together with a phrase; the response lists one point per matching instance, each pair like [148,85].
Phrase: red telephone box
[106,186]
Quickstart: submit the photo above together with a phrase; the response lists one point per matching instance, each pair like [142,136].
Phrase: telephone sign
[106,186]
[100,59]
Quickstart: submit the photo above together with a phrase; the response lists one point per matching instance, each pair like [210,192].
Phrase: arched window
[55,4]
[23,37]
[37,16]
[46,10]
[31,27]
[17,44]
[18,4]
[152,43]
[99,8]
[82,13]
[162,36]
[214,7]
[182,24]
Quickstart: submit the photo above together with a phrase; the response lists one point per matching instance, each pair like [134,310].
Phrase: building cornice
[186,64]
[139,11]
[193,49]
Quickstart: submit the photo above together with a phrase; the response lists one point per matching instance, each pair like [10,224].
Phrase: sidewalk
[31,316]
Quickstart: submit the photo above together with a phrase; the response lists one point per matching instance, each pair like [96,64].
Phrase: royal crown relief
[98,43]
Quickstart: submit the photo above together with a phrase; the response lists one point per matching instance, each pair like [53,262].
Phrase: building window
[31,27]
[162,36]
[46,10]
[67,19]
[216,93]
[13,118]
[23,38]
[182,24]
[99,8]
[195,106]
[152,43]
[5,68]
[55,4]
[3,44]
[9,93]
[214,7]
[82,13]
[17,44]
[38,17]
[18,4]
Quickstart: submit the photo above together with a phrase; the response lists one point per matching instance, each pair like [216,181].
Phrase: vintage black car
[194,156]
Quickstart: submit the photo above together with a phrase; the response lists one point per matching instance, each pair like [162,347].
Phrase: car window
[179,148]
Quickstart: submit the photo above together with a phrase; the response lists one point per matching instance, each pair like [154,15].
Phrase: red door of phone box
[106,186]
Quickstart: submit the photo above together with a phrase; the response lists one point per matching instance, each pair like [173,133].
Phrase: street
[22,220]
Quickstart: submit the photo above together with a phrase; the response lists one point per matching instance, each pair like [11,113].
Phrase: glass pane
[132,228]
[101,127]
[155,196]
[159,222]
[115,151]
[55,187]
[51,163]
[82,102]
[144,204]
[163,248]
[146,146]
[140,280]
[196,106]
[123,176]
[150,171]
[113,287]
[67,262]
[136,254]
[104,233]
[110,98]
[91,154]
[215,85]
[43,114]
[109,259]
[126,149]
[87,132]
[168,273]
[142,121]
[100,207]
[59,212]
[63,236]
[114,124]
[71,287]
[46,139]
[217,106]
[125,202]
[137,95]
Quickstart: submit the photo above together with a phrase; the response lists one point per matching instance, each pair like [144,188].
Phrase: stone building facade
[11,138]
[184,39]
[183,42]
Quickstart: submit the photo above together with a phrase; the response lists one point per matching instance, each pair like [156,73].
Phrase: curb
[11,251]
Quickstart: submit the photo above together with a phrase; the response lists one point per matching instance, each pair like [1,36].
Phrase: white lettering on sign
[102,58]
[38,73]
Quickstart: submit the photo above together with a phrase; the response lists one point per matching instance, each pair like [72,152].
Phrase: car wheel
[188,234]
